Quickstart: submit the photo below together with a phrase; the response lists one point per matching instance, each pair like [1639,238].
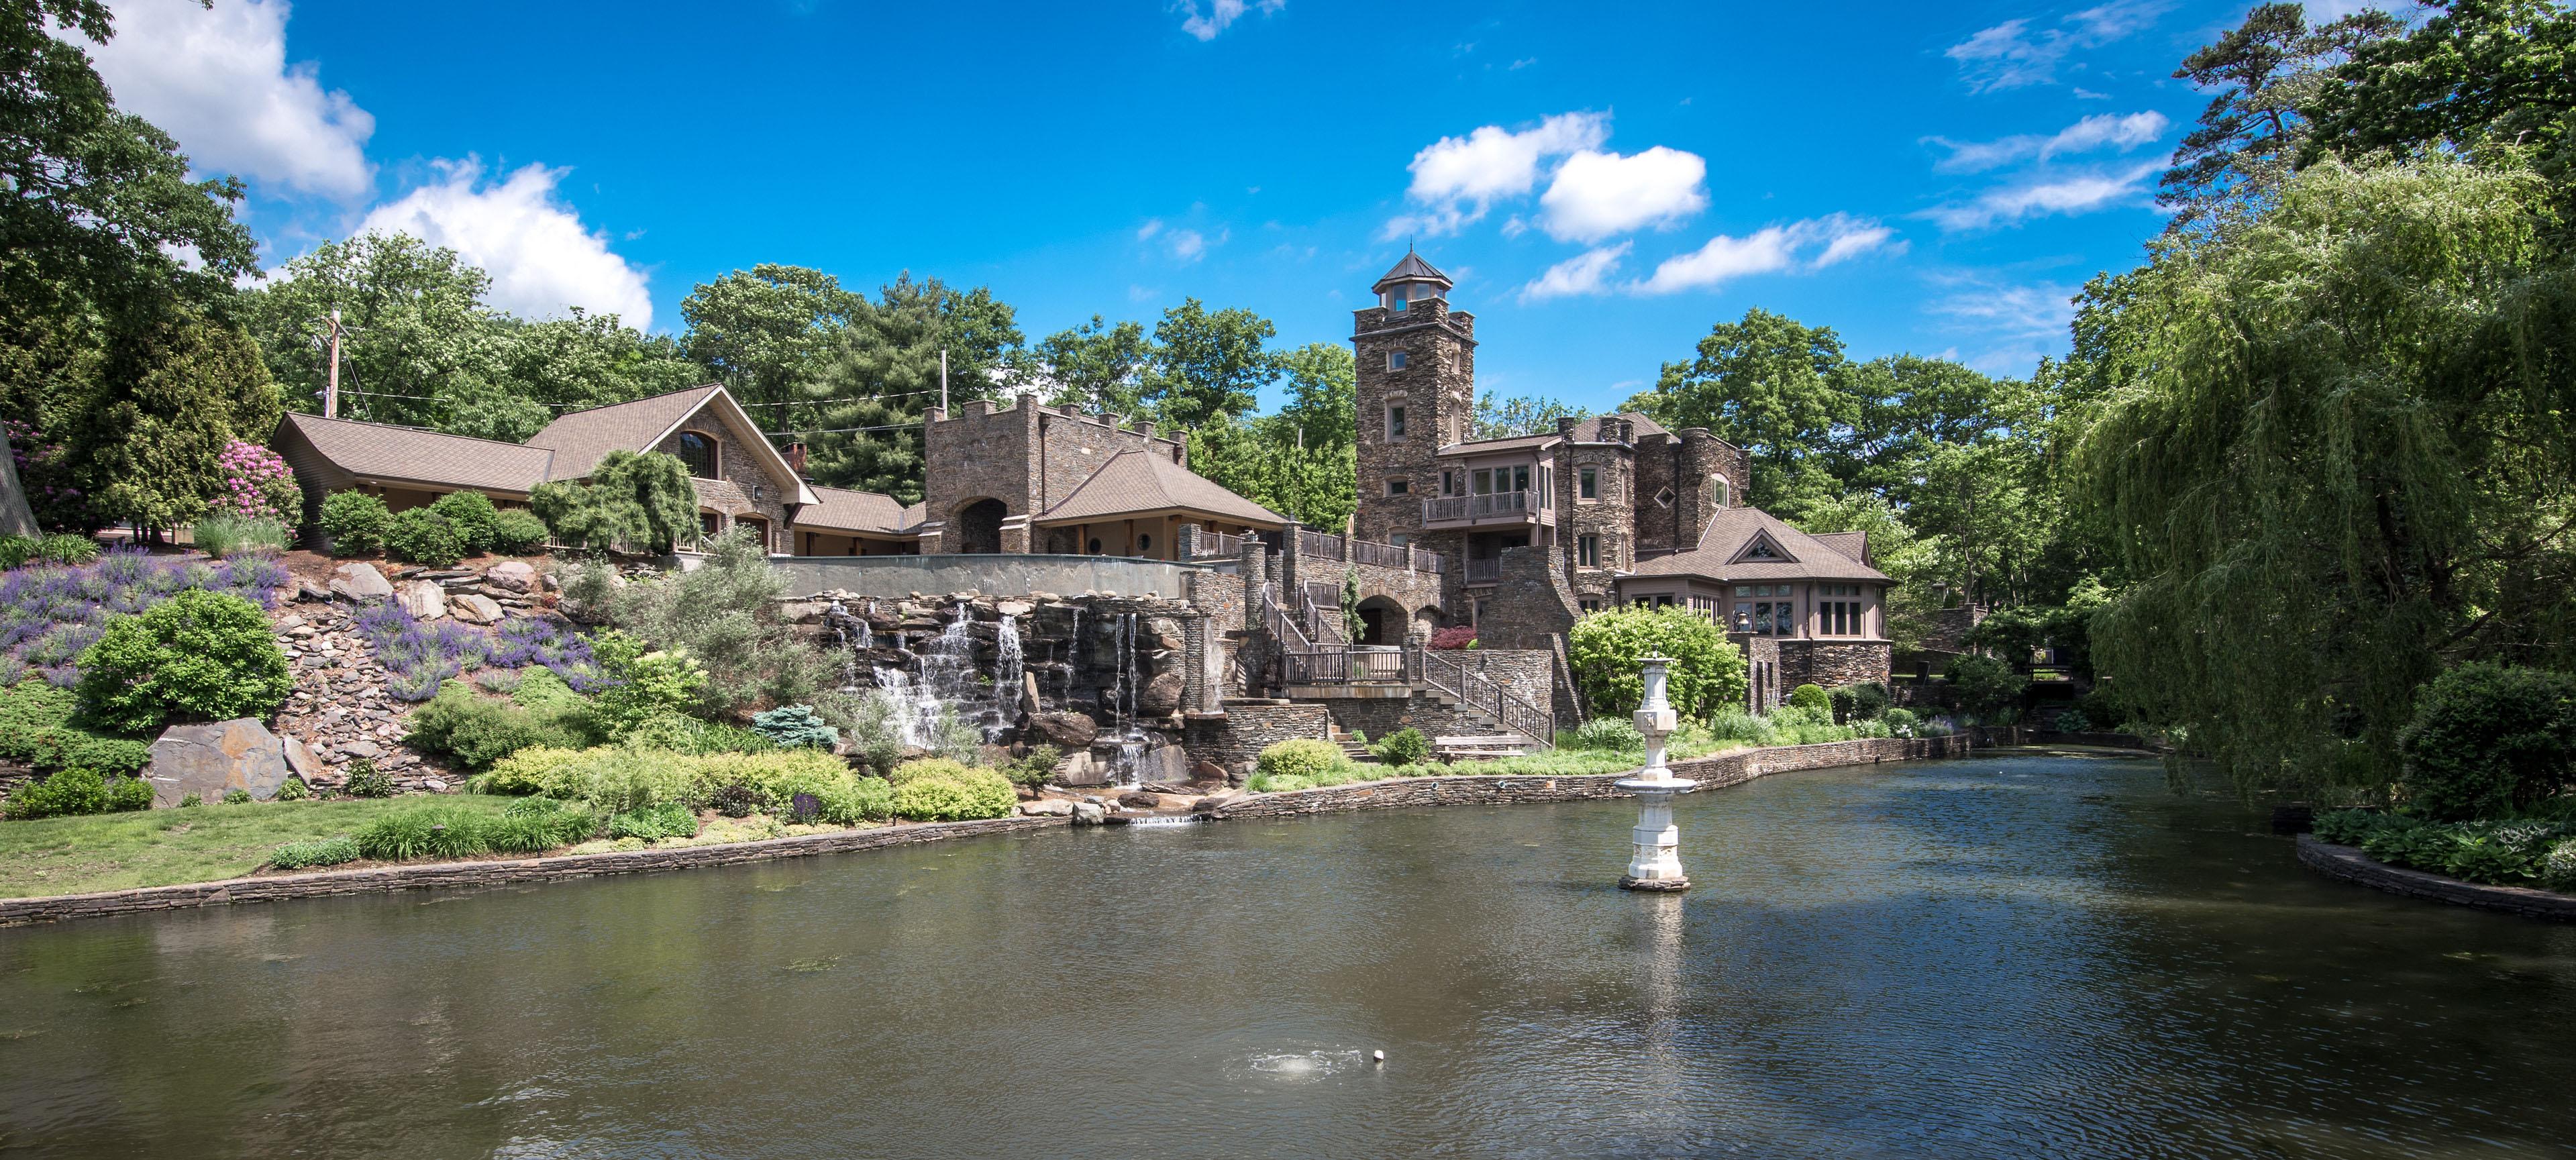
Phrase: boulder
[1050,808]
[1170,763]
[300,761]
[1087,814]
[359,582]
[1080,769]
[1064,730]
[1028,694]
[476,609]
[424,599]
[514,575]
[1159,696]
[1163,633]
[1216,801]
[1207,771]
[1139,800]
[211,760]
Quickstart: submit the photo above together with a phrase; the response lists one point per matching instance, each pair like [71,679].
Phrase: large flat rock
[210,760]
[358,581]
[424,599]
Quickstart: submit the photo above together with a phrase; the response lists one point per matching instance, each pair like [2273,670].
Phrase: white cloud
[540,258]
[2099,131]
[1151,227]
[1456,179]
[1585,273]
[1833,238]
[1188,245]
[2020,312]
[218,81]
[1596,195]
[2074,195]
[2010,55]
[1220,13]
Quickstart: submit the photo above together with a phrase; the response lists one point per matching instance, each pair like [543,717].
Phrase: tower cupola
[1411,281]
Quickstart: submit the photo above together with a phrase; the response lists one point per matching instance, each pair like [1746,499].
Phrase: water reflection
[2027,958]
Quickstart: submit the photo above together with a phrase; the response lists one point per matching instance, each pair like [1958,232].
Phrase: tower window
[1587,483]
[1395,422]
[1395,300]
[699,453]
[1395,360]
[1717,489]
[1399,487]
[1587,551]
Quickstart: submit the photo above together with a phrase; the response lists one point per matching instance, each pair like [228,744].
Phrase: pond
[1996,957]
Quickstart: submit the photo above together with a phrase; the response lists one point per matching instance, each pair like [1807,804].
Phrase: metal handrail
[1483,693]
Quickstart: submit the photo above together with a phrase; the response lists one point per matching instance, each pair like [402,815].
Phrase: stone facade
[1532,604]
[1027,456]
[1609,516]
[1831,662]
[1251,725]
[1436,388]
[745,491]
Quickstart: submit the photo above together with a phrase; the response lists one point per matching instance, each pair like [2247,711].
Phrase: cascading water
[1122,701]
[946,685]
[1007,667]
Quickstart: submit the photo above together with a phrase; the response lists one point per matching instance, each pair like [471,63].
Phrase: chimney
[796,459]
[1565,426]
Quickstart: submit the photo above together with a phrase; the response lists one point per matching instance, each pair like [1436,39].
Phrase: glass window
[1587,551]
[1144,544]
[699,453]
[1719,485]
[1762,551]
[1449,483]
[1520,479]
[1587,482]
[1399,539]
[1484,481]
[1395,422]
[1399,486]
[1395,360]
[1743,590]
[1395,301]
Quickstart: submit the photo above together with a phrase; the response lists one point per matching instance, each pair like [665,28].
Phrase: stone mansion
[1517,536]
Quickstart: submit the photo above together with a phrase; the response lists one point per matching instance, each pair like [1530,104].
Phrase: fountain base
[1655,885]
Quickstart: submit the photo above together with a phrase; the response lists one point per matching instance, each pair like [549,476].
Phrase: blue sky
[1604,182]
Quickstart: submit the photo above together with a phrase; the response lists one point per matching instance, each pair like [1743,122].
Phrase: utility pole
[331,391]
[943,380]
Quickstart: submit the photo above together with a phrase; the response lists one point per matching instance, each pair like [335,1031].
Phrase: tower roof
[1412,269]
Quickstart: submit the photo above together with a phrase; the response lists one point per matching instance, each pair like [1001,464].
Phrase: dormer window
[1761,550]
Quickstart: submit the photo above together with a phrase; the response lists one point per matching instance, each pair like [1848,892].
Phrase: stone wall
[1531,604]
[1529,673]
[1610,515]
[2351,865]
[1763,690]
[1437,390]
[1718,772]
[1251,725]
[1380,716]
[1831,662]
[740,469]
[1026,455]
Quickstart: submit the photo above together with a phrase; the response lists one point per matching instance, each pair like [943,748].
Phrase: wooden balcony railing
[1501,505]
[1484,571]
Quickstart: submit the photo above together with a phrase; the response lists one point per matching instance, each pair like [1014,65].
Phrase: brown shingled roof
[1135,482]
[843,510]
[382,451]
[1731,530]
[1587,431]
[580,439]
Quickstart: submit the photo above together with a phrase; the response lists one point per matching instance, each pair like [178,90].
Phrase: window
[1587,483]
[1484,481]
[1664,497]
[1395,300]
[1395,360]
[1520,479]
[1717,489]
[1395,421]
[1095,545]
[1587,551]
[1398,540]
[1449,483]
[1144,545]
[1590,605]
[1762,550]
[1399,487]
[699,453]
[709,523]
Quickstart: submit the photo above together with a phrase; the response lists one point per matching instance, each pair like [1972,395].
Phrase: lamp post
[1654,861]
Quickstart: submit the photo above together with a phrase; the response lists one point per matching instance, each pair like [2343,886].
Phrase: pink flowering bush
[257,485]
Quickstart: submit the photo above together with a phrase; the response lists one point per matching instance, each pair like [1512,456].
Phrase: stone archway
[1382,621]
[979,526]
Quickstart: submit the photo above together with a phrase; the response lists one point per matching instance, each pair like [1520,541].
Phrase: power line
[839,430]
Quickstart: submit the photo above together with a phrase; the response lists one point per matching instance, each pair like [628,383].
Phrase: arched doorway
[1382,621]
[979,526]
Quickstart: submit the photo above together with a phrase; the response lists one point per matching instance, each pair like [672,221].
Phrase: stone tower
[1417,392]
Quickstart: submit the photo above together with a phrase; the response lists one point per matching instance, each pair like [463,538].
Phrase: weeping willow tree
[2335,457]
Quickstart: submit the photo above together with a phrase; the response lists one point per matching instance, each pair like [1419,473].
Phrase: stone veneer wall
[1028,456]
[739,466]
[1438,390]
[1218,639]
[1380,716]
[1831,662]
[1250,726]
[1531,604]
[1611,516]
[1718,772]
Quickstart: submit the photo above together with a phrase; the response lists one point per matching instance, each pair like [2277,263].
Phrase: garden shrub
[1901,723]
[319,852]
[630,500]
[1605,647]
[67,549]
[475,731]
[293,789]
[2497,852]
[792,726]
[471,513]
[1297,757]
[422,536]
[236,797]
[367,781]
[690,735]
[1865,701]
[725,615]
[429,831]
[355,522]
[668,820]
[226,536]
[17,550]
[938,790]
[647,684]
[2489,741]
[37,730]
[196,656]
[517,533]
[257,484]
[77,791]
[1035,768]
[1610,734]
[1811,697]
[1984,685]
[1454,637]
[1405,746]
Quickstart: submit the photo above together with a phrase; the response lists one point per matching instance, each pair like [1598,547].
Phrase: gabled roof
[844,510]
[1732,530]
[382,451]
[580,439]
[1137,482]
[1413,269]
[1852,544]
[1587,431]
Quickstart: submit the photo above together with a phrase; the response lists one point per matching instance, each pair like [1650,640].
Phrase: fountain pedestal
[1654,861]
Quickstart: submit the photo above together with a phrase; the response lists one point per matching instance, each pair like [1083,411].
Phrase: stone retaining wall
[2351,865]
[22,911]
[1716,772]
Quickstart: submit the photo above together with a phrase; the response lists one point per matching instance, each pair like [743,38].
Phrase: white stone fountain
[1654,862]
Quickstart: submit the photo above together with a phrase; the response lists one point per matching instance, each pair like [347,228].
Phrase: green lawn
[163,847]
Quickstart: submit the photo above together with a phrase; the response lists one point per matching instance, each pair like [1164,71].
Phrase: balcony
[1500,509]
[1484,571]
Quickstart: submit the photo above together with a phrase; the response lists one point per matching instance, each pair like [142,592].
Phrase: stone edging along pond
[1721,770]
[2351,865]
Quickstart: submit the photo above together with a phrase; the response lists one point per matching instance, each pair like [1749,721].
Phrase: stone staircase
[1485,719]
[1356,750]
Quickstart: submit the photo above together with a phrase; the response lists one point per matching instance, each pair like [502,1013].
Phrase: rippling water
[2000,957]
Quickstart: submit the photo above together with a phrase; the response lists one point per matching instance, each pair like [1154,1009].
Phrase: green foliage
[198,655]
[367,781]
[936,790]
[627,779]
[1866,701]
[319,852]
[191,801]
[226,536]
[355,522]
[2489,741]
[697,737]
[631,502]
[2497,852]
[1299,758]
[17,550]
[422,536]
[1606,647]
[1405,746]
[789,726]
[1984,685]
[1035,768]
[475,731]
[1902,723]
[293,789]
[668,820]
[1812,698]
[78,790]
[37,729]
[67,549]
[1522,415]
[518,533]
[884,367]
[471,513]
[1606,734]
[425,831]
[236,797]
[725,616]
[649,684]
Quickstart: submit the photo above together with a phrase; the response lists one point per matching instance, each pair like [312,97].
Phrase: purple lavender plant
[804,808]
[421,683]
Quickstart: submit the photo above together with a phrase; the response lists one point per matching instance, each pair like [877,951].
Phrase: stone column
[1291,565]
[1654,861]
[1185,545]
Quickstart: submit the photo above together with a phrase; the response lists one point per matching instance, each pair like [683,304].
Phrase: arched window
[1145,545]
[699,452]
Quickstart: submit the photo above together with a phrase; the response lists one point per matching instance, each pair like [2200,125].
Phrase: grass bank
[166,847]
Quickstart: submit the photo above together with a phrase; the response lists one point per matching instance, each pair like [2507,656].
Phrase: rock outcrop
[214,759]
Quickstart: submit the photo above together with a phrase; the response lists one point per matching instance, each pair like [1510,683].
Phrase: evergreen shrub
[77,790]
[1611,734]
[367,781]
[794,726]
[2489,741]
[198,655]
[422,536]
[355,522]
[1812,697]
[1606,647]
[1404,747]
[939,795]
[1301,757]
[517,533]
[471,513]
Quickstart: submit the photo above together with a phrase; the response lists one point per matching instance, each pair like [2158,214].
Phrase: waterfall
[1122,701]
[838,616]
[1007,668]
